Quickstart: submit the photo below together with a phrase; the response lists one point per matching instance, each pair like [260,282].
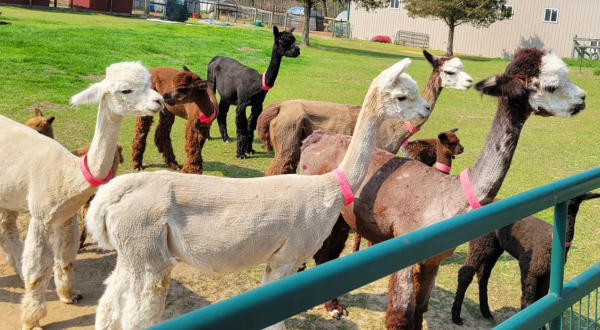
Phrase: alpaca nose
[470,80]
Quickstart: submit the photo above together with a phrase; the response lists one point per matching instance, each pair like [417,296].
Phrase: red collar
[89,177]
[264,84]
[205,120]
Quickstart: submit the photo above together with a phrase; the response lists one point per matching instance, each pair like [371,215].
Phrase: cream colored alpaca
[50,184]
[222,225]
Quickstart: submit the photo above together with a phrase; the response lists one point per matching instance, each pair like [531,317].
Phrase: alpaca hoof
[209,138]
[251,152]
[74,299]
[489,317]
[226,139]
[242,156]
[336,313]
[175,167]
[458,322]
[138,168]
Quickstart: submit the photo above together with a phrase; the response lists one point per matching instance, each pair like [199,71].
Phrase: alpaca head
[398,93]
[539,79]
[450,69]
[451,143]
[125,91]
[285,43]
[41,124]
[189,87]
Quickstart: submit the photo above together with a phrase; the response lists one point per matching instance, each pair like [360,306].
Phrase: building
[548,24]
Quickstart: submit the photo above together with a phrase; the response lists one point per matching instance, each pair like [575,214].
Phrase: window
[509,11]
[551,15]
[394,4]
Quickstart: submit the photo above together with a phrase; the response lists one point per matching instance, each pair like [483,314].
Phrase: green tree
[479,13]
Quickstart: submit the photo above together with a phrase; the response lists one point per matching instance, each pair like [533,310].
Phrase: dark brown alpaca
[429,152]
[282,126]
[400,195]
[186,96]
[44,126]
[529,241]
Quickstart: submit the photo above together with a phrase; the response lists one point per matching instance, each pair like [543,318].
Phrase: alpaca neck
[572,209]
[490,168]
[273,69]
[357,158]
[104,144]
[432,91]
[442,156]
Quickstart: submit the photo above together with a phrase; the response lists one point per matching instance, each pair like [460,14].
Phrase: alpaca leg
[65,252]
[162,139]
[222,120]
[195,133]
[528,289]
[241,124]
[83,231]
[138,147]
[357,239]
[10,242]
[286,138]
[400,311]
[274,272]
[483,277]
[424,275]
[465,277]
[37,271]
[543,285]
[254,113]
[331,249]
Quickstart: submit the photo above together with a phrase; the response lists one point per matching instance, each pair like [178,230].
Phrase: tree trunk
[325,8]
[451,39]
[306,26]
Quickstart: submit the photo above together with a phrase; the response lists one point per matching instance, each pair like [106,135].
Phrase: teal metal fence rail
[266,305]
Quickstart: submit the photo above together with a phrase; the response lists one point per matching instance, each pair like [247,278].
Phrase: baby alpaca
[439,152]
[530,241]
[44,126]
[222,225]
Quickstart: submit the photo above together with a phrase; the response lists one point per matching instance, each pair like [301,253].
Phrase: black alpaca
[243,86]
[530,241]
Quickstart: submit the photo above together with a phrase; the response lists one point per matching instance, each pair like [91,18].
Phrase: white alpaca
[51,185]
[222,225]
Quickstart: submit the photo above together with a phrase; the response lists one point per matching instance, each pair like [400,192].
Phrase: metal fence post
[574,45]
[255,10]
[271,20]
[285,21]
[557,272]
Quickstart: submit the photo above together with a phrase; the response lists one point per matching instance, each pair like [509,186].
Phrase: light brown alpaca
[44,126]
[439,152]
[282,126]
[196,103]
[400,195]
[52,184]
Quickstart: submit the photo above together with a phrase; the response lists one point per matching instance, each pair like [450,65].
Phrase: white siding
[501,39]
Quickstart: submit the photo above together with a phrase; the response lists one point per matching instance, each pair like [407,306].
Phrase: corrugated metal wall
[501,39]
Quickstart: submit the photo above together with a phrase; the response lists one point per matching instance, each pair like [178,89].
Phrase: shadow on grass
[459,258]
[311,321]
[233,171]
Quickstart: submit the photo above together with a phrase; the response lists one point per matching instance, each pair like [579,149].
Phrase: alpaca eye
[127,91]
[449,73]
[402,98]
[551,89]
[184,90]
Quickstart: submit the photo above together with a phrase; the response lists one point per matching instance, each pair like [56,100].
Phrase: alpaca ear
[432,59]
[443,138]
[275,31]
[93,94]
[50,120]
[38,113]
[500,85]
[393,72]
[292,29]
[454,130]
[185,69]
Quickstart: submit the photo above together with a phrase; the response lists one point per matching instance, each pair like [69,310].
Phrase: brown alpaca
[282,126]
[196,103]
[429,152]
[401,195]
[44,126]
[528,240]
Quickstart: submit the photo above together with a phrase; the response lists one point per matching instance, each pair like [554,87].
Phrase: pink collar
[442,167]
[264,84]
[404,143]
[205,120]
[346,191]
[468,189]
[411,129]
[88,176]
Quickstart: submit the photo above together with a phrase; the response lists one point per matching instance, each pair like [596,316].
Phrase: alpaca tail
[264,123]
[211,77]
[98,216]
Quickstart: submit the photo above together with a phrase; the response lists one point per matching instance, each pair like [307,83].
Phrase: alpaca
[196,103]
[242,86]
[43,126]
[400,195]
[216,231]
[438,152]
[530,241]
[282,126]
[53,184]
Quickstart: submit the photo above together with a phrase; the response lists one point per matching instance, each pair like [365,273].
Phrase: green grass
[46,57]
[597,72]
